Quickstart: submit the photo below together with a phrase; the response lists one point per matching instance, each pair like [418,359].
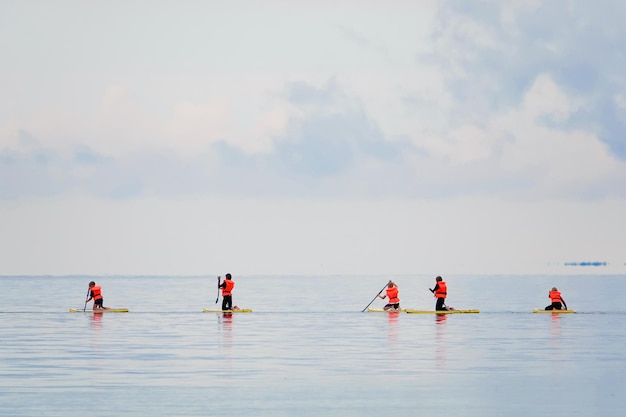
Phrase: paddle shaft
[87,298]
[383,289]
[218,290]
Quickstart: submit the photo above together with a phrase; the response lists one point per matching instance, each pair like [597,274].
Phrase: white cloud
[199,125]
[465,144]
[529,145]
[552,156]
[545,98]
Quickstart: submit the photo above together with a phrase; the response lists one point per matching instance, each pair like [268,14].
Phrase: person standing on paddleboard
[95,294]
[555,297]
[227,292]
[392,293]
[441,292]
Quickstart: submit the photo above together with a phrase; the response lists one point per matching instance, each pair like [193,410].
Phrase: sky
[344,137]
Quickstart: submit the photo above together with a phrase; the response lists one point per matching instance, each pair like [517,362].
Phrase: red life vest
[229,284]
[392,293]
[555,296]
[96,292]
[442,290]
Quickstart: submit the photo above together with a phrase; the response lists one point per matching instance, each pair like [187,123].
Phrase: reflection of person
[441,292]
[392,293]
[556,299]
[95,294]
[227,292]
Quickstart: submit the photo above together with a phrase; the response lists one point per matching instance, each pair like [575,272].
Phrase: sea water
[308,350]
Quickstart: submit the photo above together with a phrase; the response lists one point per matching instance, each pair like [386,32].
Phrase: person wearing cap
[441,292]
[95,294]
[227,292]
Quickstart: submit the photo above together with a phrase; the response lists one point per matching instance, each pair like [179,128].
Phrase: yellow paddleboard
[380,310]
[553,311]
[442,311]
[104,310]
[241,310]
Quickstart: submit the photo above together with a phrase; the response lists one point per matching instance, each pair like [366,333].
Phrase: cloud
[487,100]
[330,146]
[491,53]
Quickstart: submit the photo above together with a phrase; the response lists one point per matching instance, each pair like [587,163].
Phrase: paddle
[383,289]
[86,298]
[218,290]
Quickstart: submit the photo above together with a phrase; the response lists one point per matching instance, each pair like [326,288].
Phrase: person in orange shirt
[227,292]
[95,294]
[557,301]
[392,293]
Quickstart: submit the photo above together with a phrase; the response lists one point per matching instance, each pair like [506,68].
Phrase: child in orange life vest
[95,294]
[556,299]
[227,296]
[441,292]
[392,293]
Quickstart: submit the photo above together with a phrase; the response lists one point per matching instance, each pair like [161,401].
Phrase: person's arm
[90,296]
[564,303]
[434,289]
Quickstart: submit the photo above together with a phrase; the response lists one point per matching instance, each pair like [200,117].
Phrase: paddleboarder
[227,292]
[441,292]
[557,301]
[392,293]
[95,294]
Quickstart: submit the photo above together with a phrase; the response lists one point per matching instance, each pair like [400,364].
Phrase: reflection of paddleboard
[241,310]
[380,310]
[98,310]
[553,311]
[442,311]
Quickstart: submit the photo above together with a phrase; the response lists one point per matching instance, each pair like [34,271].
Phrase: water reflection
[441,318]
[555,344]
[227,321]
[96,320]
[392,326]
[555,330]
[441,339]
[225,325]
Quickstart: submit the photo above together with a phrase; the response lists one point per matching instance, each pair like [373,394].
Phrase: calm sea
[307,350]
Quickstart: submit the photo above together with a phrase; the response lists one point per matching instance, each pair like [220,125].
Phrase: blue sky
[332,137]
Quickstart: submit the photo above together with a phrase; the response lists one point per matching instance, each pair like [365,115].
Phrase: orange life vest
[229,284]
[555,296]
[392,293]
[96,292]
[442,290]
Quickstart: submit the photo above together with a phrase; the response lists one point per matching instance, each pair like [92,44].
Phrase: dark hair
[438,279]
[228,276]
[92,283]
